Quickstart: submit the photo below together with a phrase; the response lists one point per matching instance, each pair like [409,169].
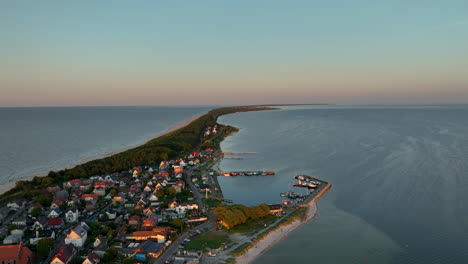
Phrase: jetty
[314,187]
[245,173]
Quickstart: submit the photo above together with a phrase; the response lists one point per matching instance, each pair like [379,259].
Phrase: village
[143,215]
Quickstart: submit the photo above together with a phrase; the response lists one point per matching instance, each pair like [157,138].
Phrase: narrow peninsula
[159,202]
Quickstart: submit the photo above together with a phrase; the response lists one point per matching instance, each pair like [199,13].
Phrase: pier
[315,188]
[245,173]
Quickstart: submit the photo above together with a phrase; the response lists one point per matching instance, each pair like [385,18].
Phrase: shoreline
[276,236]
[4,187]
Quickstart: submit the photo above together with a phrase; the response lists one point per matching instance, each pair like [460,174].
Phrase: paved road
[174,247]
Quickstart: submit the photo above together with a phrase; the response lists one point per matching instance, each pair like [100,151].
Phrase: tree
[110,255]
[44,246]
[171,191]
[178,223]
[159,193]
[36,211]
[44,199]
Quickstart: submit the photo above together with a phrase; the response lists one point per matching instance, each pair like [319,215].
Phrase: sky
[70,53]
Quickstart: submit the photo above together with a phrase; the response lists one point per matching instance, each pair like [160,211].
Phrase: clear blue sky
[233,52]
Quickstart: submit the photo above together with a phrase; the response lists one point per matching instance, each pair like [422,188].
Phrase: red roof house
[15,254]
[89,196]
[55,222]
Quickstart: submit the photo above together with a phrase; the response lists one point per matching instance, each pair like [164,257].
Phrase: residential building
[17,254]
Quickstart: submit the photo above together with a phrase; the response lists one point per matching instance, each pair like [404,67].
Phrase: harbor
[305,189]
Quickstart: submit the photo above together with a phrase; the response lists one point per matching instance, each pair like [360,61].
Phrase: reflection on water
[399,178]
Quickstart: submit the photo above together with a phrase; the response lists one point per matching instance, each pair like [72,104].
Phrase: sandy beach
[7,186]
[276,236]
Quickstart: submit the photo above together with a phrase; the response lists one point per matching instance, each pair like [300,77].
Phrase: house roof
[150,246]
[134,218]
[65,252]
[15,252]
[55,221]
[93,257]
[275,206]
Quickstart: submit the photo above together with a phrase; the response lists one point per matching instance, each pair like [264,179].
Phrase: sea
[399,176]
[399,172]
[35,140]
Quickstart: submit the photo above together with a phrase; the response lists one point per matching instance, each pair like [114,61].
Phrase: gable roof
[16,252]
[55,221]
[65,253]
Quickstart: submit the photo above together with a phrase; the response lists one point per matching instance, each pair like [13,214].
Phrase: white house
[16,204]
[183,208]
[78,235]
[54,213]
[72,214]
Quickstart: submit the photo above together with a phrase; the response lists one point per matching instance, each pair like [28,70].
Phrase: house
[20,221]
[276,209]
[78,235]
[118,199]
[17,254]
[18,204]
[183,208]
[150,222]
[92,258]
[173,204]
[84,186]
[149,211]
[56,204]
[12,239]
[148,249]
[56,222]
[40,223]
[159,233]
[100,241]
[65,254]
[72,214]
[40,234]
[111,214]
[134,220]
[54,213]
[72,184]
[101,191]
[148,188]
[90,206]
[89,197]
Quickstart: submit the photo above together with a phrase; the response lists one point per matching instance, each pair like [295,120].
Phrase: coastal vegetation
[230,216]
[166,147]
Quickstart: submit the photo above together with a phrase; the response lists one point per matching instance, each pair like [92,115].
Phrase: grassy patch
[210,239]
[253,225]
[211,202]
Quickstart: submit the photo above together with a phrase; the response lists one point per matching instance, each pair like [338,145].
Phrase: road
[174,246]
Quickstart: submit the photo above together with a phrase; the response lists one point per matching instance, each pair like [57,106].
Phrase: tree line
[232,215]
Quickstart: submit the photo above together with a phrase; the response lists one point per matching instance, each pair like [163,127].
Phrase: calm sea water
[36,140]
[399,175]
